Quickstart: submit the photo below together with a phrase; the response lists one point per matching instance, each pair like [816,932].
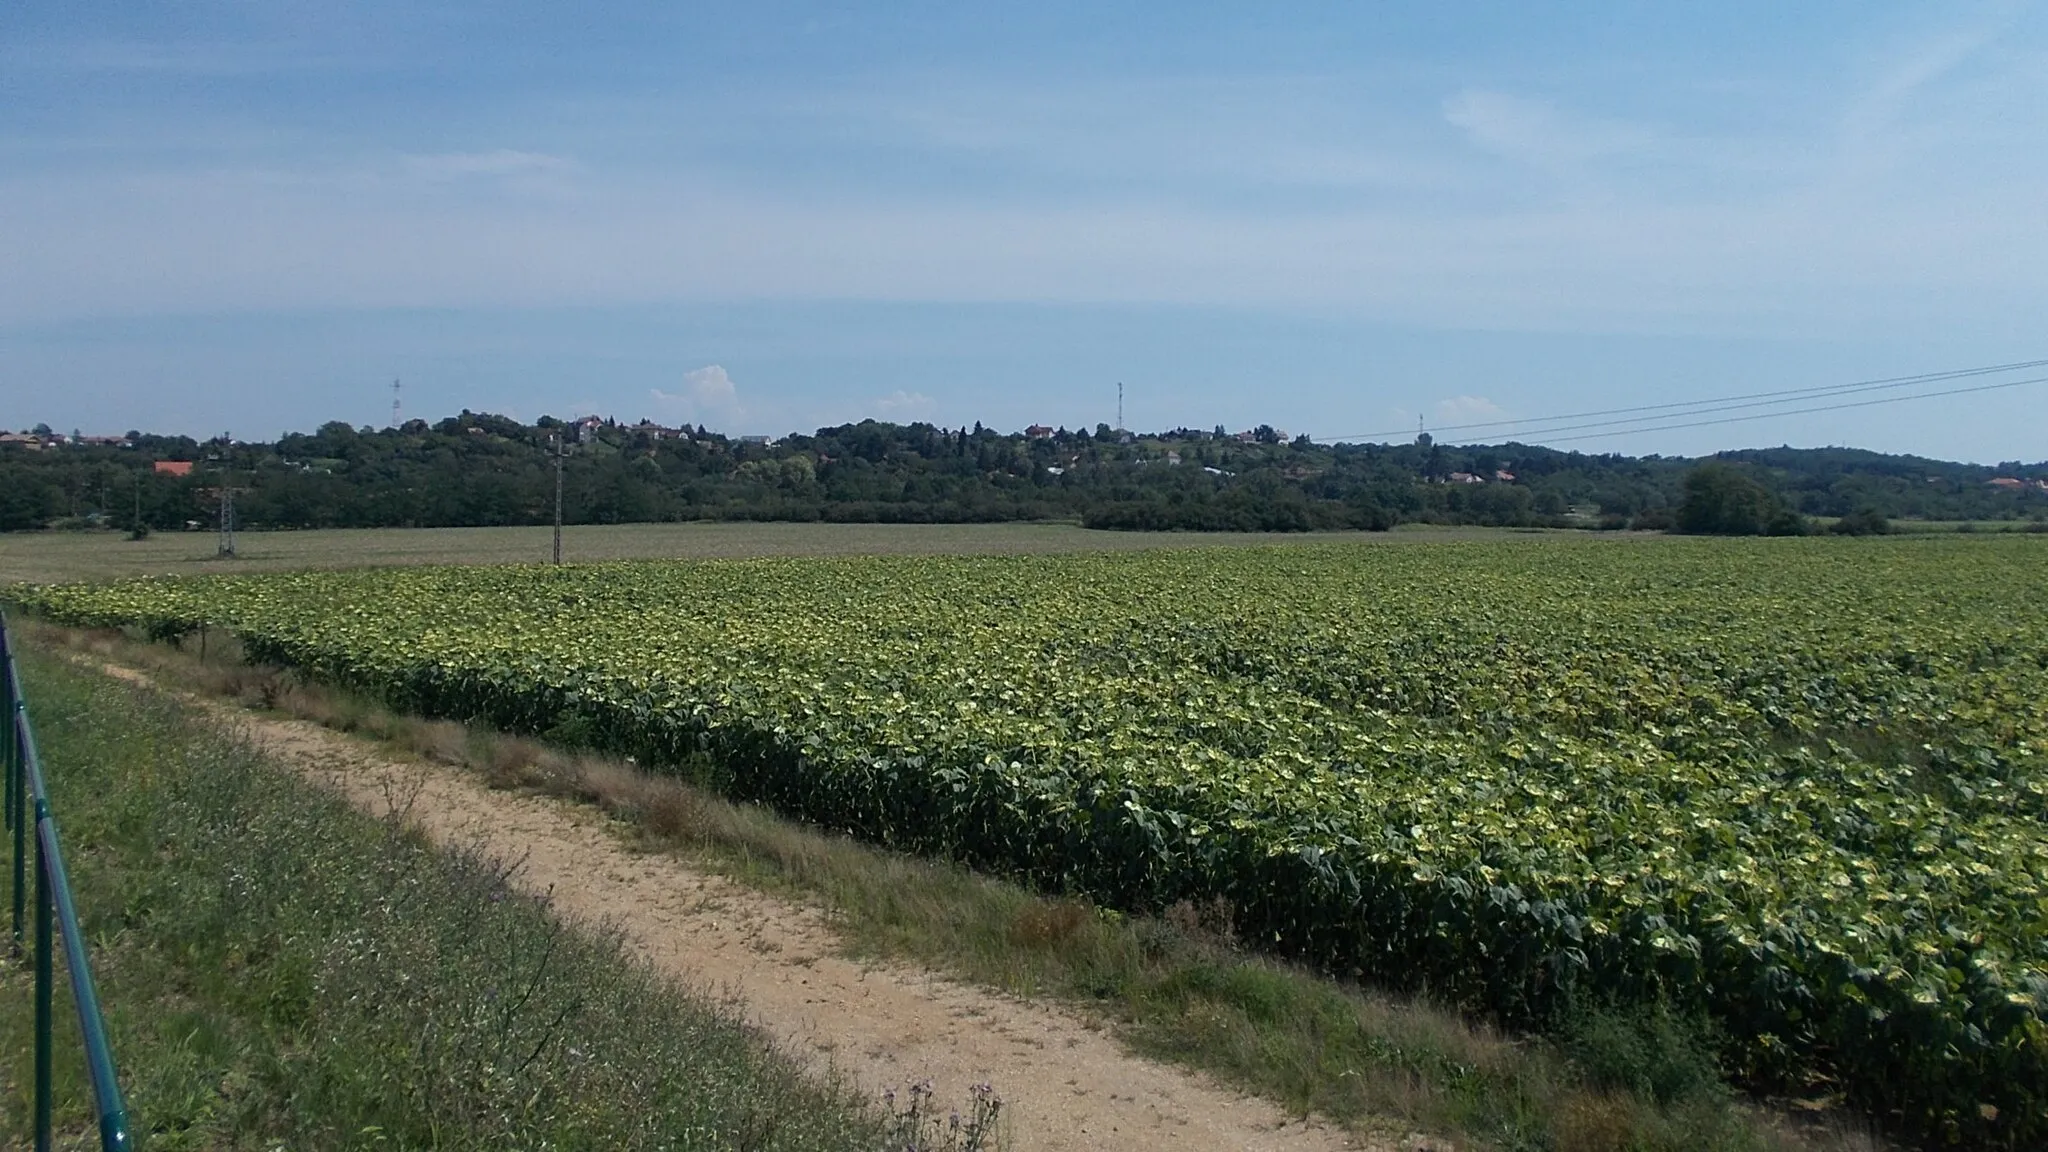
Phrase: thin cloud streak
[1280,193]
[263,240]
[497,162]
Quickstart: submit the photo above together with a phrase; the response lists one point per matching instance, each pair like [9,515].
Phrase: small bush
[669,811]
[1213,923]
[1864,522]
[1721,500]
[1594,1122]
[507,761]
[916,1123]
[441,740]
[1049,923]
[1785,522]
[1653,520]
[1652,1053]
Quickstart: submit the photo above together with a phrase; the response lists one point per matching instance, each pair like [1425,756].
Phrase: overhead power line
[1527,426]
[1844,390]
[1801,411]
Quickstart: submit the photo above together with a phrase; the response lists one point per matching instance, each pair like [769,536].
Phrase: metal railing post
[10,760]
[56,924]
[7,748]
[19,771]
[44,979]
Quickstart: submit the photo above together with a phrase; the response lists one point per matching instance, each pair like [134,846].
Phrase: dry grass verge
[282,970]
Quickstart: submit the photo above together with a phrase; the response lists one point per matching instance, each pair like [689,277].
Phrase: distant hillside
[480,469]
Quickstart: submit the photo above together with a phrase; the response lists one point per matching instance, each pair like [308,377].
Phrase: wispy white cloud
[1182,138]
[708,393]
[1535,132]
[192,58]
[1878,106]
[1444,418]
[1467,410]
[901,406]
[497,162]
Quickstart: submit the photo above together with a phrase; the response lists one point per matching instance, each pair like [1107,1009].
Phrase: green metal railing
[28,802]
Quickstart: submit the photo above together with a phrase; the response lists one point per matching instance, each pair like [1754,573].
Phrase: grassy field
[49,556]
[280,970]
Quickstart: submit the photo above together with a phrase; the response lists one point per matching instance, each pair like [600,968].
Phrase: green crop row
[1799,785]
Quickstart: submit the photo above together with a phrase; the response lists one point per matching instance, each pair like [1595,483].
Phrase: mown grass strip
[283,971]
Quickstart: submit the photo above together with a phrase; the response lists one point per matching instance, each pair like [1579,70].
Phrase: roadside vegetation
[282,971]
[1181,986]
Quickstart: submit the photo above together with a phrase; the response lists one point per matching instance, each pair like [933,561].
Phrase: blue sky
[770,216]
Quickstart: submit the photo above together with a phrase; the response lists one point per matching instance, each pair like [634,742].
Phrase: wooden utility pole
[561,449]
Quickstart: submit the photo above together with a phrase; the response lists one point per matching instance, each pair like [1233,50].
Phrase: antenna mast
[227,497]
[1119,405]
[395,421]
[227,520]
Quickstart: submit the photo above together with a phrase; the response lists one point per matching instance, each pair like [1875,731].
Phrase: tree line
[478,469]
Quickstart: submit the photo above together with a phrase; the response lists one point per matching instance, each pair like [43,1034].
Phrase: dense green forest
[480,469]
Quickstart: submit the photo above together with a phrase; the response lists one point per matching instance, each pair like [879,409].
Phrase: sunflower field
[1796,785]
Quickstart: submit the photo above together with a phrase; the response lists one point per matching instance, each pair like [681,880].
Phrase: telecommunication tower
[396,422]
[226,493]
[1119,405]
[227,521]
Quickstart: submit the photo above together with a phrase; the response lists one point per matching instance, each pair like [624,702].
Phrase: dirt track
[1066,1084]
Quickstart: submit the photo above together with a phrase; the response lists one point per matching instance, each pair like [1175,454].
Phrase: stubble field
[49,556]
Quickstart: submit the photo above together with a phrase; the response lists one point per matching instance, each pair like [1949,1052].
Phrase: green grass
[54,556]
[282,971]
[1179,987]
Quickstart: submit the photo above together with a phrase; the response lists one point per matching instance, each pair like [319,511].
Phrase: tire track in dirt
[1067,1085]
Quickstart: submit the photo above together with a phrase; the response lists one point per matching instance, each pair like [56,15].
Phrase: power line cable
[1702,411]
[1762,399]
[1800,411]
[1789,396]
